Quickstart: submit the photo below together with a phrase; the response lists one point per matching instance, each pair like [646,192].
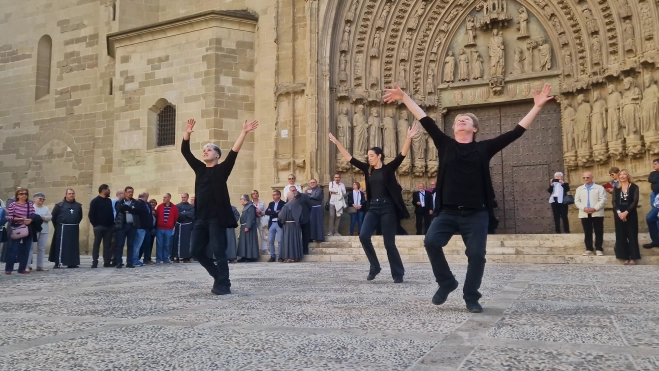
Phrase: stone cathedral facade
[98,91]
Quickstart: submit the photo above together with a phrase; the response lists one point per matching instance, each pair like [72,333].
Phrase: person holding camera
[558,190]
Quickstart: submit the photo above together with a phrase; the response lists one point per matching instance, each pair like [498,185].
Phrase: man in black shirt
[101,217]
[652,218]
[213,214]
[464,194]
[421,201]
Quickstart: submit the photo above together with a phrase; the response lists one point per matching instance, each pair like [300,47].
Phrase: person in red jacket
[166,217]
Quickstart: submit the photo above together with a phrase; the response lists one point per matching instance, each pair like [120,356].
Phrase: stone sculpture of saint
[417,16]
[343,127]
[463,66]
[496,54]
[359,63]
[569,126]
[350,16]
[402,73]
[591,23]
[647,22]
[598,120]
[567,61]
[557,25]
[375,48]
[597,49]
[545,55]
[631,107]
[382,20]
[374,129]
[649,105]
[435,49]
[471,25]
[343,62]
[582,132]
[449,67]
[389,134]
[613,106]
[522,23]
[518,61]
[405,46]
[360,132]
[625,10]
[345,41]
[419,144]
[403,125]
[430,82]
[477,66]
[628,36]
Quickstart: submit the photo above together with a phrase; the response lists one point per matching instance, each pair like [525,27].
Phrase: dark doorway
[522,171]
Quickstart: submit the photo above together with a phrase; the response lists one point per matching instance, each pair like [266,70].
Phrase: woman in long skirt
[248,243]
[386,204]
[625,201]
[231,238]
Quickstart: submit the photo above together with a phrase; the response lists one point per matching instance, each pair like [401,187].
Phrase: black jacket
[100,212]
[271,211]
[122,206]
[653,179]
[566,189]
[363,203]
[390,182]
[427,202]
[219,176]
[486,149]
[305,202]
[35,227]
[143,213]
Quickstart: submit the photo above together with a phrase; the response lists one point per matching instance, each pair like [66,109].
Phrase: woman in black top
[386,205]
[625,202]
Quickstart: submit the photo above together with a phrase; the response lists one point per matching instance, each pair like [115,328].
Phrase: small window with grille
[166,128]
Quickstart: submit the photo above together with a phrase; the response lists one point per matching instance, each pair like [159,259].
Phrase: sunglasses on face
[22,193]
[586,177]
[291,178]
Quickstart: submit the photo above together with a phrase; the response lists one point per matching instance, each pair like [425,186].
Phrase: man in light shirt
[590,199]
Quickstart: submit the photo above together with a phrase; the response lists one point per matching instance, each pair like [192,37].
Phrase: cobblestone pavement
[326,316]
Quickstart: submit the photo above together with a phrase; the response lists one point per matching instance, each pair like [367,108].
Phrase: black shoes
[219,289]
[130,266]
[272,259]
[398,279]
[442,293]
[120,265]
[649,245]
[371,276]
[95,265]
[474,307]
[107,265]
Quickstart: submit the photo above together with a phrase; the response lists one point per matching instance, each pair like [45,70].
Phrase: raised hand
[542,97]
[393,94]
[247,127]
[411,131]
[333,139]
[190,126]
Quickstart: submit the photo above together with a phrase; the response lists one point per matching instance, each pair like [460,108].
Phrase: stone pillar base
[570,160]
[584,156]
[601,153]
[635,147]
[617,149]
[652,143]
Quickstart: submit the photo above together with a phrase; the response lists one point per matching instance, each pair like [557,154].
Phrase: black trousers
[105,234]
[560,213]
[627,237]
[306,235]
[591,224]
[382,211]
[210,232]
[422,223]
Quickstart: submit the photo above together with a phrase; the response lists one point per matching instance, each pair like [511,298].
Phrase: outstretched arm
[408,142]
[539,99]
[340,147]
[396,93]
[247,127]
[194,163]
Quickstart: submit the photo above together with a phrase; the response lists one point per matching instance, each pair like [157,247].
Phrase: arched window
[166,128]
[44,52]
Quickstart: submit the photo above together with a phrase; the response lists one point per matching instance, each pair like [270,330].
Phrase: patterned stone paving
[326,316]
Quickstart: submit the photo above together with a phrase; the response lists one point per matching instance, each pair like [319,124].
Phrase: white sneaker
[588,253]
[600,253]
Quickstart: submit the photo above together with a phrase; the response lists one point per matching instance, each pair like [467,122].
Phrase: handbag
[351,210]
[327,205]
[568,200]
[20,231]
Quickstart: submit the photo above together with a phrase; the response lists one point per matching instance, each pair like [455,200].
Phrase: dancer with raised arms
[386,205]
[465,196]
[213,214]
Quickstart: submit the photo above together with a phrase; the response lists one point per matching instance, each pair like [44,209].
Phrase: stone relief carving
[647,23]
[343,62]
[374,93]
[374,129]
[449,68]
[417,16]
[545,55]
[569,125]
[496,54]
[389,133]
[518,62]
[494,12]
[463,66]
[522,23]
[360,132]
[631,117]
[405,46]
[649,106]
[477,66]
[430,81]
[625,10]
[359,64]
[343,129]
[419,150]
[471,34]
[591,23]
[598,119]
[345,41]
[403,125]
[402,73]
[614,131]
[628,36]
[597,50]
[435,49]
[375,47]
[582,120]
[382,20]
[568,69]
[350,16]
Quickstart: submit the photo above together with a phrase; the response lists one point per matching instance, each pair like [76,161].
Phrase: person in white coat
[44,212]
[590,199]
[337,191]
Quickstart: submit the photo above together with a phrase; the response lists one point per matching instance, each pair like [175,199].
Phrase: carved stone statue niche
[477,66]
[344,46]
[360,132]
[405,46]
[382,20]
[463,66]
[650,106]
[417,16]
[522,23]
[343,130]
[613,115]
[419,144]
[403,125]
[582,118]
[359,64]
[647,23]
[402,73]
[343,62]
[471,31]
[435,49]
[430,81]
[350,16]
[496,54]
[628,36]
[625,10]
[597,50]
[375,48]
[568,68]
[631,117]
[389,133]
[591,23]
[518,62]
[374,129]
[569,125]
[449,68]
[545,55]
[374,93]
[598,120]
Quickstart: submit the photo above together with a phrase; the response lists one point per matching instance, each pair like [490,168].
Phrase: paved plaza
[326,316]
